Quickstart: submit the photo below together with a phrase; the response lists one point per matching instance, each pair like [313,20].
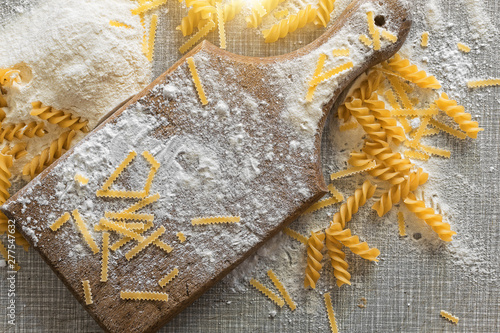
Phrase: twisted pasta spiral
[337,257]
[255,19]
[17,151]
[48,155]
[362,114]
[231,9]
[205,8]
[457,112]
[382,152]
[325,7]
[411,73]
[5,164]
[290,24]
[380,171]
[189,22]
[352,204]
[400,191]
[435,221]
[61,118]
[365,90]
[314,256]
[383,117]
[9,132]
[352,242]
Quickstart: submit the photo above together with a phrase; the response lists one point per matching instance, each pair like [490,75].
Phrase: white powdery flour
[71,59]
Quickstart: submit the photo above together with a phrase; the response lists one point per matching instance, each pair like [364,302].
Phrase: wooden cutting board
[252,152]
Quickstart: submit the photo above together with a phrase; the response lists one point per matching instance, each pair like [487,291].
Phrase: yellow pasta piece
[263,289]
[391,98]
[332,72]
[401,224]
[20,130]
[87,292]
[129,216]
[383,117]
[82,227]
[352,242]
[220,23]
[215,219]
[431,131]
[191,21]
[348,126]
[398,88]
[121,194]
[449,316]
[325,8]
[295,235]
[389,36]
[366,88]
[374,32]
[119,24]
[127,225]
[141,203]
[169,277]
[81,179]
[337,257]
[8,76]
[144,43]
[121,229]
[353,170]
[411,73]
[483,83]
[60,118]
[199,35]
[181,236]
[447,129]
[457,112]
[259,10]
[290,24]
[431,111]
[147,241]
[340,52]
[152,36]
[334,192]
[435,151]
[231,9]
[464,48]
[416,155]
[320,204]
[105,256]
[144,295]
[119,169]
[196,80]
[277,283]
[435,221]
[60,221]
[280,14]
[148,6]
[352,204]
[424,39]
[331,315]
[17,151]
[365,40]
[315,244]
[317,72]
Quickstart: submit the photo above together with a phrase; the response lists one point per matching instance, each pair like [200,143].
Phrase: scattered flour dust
[72,59]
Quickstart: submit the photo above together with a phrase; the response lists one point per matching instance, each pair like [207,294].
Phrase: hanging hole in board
[380,20]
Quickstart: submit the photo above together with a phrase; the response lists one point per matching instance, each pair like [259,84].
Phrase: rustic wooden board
[285,187]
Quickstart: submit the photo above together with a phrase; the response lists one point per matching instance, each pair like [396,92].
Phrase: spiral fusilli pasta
[325,7]
[352,242]
[362,114]
[411,73]
[315,244]
[383,117]
[49,155]
[255,19]
[337,258]
[61,118]
[457,112]
[9,76]
[231,9]
[290,24]
[365,90]
[380,171]
[352,204]
[435,221]
[19,130]
[381,151]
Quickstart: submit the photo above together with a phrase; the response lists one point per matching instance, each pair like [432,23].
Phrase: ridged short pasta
[457,112]
[352,242]
[383,117]
[366,88]
[315,244]
[59,117]
[292,23]
[325,8]
[337,258]
[412,73]
[255,18]
[352,204]
[20,130]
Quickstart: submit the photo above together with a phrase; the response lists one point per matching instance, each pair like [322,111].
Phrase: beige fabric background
[405,291]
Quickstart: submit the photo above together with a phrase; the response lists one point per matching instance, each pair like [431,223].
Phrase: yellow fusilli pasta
[255,18]
[352,242]
[59,117]
[315,244]
[231,9]
[19,130]
[325,8]
[411,73]
[290,24]
[365,90]
[337,258]
[8,76]
[363,116]
[435,221]
[352,204]
[383,117]
[199,35]
[457,112]
[49,155]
